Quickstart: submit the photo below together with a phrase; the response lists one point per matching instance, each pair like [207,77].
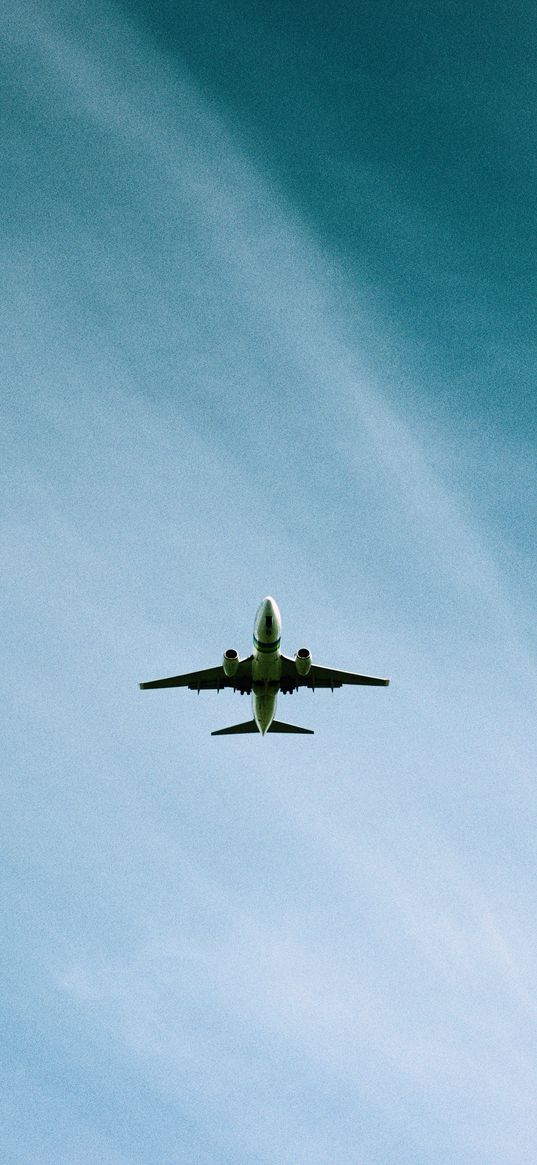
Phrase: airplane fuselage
[266,664]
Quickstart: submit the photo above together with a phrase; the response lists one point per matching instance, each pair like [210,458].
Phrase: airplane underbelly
[264,700]
[266,673]
[266,666]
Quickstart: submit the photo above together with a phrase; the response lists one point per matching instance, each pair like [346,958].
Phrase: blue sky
[268,328]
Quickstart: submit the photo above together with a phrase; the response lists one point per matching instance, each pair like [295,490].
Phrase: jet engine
[303,661]
[231,661]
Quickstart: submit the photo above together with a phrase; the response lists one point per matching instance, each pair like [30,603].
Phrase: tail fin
[277,726]
[248,726]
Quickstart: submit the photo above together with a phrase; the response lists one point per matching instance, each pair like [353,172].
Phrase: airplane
[263,674]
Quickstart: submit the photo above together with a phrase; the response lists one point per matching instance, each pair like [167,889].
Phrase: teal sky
[268,327]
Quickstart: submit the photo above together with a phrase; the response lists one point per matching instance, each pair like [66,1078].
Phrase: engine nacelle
[303,661]
[231,661]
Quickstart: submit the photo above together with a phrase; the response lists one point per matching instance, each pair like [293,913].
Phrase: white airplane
[264,674]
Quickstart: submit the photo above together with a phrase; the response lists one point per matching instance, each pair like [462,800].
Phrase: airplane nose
[268,619]
[270,607]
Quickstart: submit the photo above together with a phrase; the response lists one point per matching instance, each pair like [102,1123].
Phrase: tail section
[251,726]
[248,726]
[277,726]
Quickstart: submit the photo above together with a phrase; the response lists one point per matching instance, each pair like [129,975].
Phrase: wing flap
[327,677]
[211,677]
[323,677]
[208,679]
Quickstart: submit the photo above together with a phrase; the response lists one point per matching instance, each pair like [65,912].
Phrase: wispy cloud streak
[308,957]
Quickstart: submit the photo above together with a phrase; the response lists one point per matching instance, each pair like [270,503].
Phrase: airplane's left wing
[209,679]
[323,677]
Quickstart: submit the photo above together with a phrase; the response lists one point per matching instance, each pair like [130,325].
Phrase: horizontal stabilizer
[248,726]
[277,726]
[251,726]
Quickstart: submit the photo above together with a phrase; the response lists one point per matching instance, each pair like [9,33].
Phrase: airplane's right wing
[323,677]
[209,679]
